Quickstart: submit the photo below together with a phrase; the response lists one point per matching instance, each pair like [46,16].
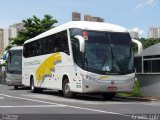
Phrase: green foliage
[8,47]
[146,43]
[4,64]
[33,27]
[135,93]
[19,40]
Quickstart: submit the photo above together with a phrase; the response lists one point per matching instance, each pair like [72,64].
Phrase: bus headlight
[86,77]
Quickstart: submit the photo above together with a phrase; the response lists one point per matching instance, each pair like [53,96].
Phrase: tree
[146,43]
[33,27]
[8,47]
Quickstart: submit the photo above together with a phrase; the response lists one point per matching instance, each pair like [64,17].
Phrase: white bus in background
[80,57]
[14,67]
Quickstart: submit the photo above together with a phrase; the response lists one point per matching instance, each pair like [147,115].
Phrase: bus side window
[64,42]
[77,56]
[29,50]
[51,43]
[34,48]
[37,48]
[25,50]
[56,43]
[48,45]
[43,51]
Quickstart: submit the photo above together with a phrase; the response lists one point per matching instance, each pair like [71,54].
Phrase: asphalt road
[21,104]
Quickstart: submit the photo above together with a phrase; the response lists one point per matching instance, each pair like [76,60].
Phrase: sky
[136,15]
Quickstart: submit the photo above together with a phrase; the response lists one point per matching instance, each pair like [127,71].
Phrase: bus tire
[108,96]
[66,89]
[15,87]
[33,88]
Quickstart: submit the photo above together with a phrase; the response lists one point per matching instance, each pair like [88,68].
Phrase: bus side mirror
[7,57]
[81,42]
[140,46]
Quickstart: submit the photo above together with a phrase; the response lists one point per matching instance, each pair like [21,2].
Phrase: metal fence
[2,75]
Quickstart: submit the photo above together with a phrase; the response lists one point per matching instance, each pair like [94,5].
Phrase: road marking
[57,99]
[30,99]
[1,97]
[82,108]
[31,106]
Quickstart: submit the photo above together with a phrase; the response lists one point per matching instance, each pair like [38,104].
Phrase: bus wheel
[108,96]
[15,87]
[33,89]
[66,89]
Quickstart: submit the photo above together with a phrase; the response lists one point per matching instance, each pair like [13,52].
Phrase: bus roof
[16,48]
[87,25]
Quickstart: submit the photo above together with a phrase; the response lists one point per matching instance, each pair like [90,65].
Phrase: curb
[137,99]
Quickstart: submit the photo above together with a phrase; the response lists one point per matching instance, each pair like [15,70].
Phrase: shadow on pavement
[19,88]
[82,97]
[87,97]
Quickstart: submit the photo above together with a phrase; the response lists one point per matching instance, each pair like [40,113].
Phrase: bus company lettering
[35,62]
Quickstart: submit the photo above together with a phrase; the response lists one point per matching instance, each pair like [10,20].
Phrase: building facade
[6,37]
[87,18]
[158,32]
[93,18]
[1,42]
[14,29]
[134,34]
[4,40]
[154,32]
[76,16]
[97,19]
[6,34]
[148,71]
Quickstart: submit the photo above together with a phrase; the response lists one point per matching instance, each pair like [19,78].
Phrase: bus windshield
[108,52]
[14,64]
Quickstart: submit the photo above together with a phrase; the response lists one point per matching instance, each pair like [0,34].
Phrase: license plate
[112,88]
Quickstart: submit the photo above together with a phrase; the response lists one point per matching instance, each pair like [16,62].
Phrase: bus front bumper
[14,83]
[115,86]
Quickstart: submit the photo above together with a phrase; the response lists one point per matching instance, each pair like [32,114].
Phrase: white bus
[14,67]
[80,57]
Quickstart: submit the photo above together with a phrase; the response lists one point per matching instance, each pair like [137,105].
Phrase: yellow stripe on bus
[104,77]
[45,68]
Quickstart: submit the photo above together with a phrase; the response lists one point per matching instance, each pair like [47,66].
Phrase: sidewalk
[145,99]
